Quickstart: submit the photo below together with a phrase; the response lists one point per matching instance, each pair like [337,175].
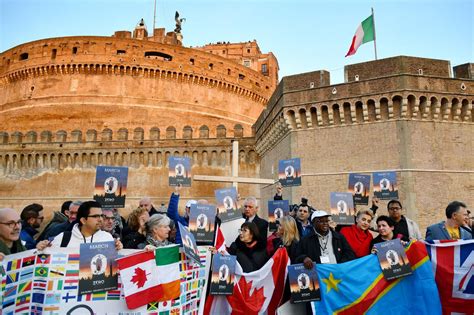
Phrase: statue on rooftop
[179,21]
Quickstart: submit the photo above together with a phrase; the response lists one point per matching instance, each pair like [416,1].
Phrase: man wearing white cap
[174,215]
[322,245]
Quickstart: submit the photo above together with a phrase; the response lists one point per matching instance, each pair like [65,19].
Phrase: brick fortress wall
[421,125]
[69,104]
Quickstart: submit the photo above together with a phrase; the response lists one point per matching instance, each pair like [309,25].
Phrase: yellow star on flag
[331,283]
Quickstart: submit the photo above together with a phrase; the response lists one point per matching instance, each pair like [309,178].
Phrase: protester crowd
[308,234]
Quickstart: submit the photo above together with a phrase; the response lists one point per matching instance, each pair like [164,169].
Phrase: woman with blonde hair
[136,233]
[358,235]
[287,236]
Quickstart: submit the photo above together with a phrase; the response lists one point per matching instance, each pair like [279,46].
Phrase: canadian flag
[254,292]
[150,276]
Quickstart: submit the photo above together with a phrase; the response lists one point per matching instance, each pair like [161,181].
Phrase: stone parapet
[26,160]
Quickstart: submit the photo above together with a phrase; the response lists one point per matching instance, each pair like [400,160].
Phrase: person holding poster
[385,227]
[358,235]
[403,226]
[323,246]
[173,213]
[249,248]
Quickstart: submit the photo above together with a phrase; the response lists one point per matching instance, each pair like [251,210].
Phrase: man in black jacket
[250,215]
[322,245]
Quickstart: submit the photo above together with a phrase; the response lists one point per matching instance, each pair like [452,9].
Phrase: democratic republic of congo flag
[359,287]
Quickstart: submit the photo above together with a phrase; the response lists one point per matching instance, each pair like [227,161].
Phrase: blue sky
[304,35]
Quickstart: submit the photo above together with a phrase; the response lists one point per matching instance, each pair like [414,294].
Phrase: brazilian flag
[41,272]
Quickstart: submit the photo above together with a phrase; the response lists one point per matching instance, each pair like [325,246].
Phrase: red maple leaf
[139,278]
[243,302]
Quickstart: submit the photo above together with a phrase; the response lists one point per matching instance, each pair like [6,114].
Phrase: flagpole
[154,18]
[375,37]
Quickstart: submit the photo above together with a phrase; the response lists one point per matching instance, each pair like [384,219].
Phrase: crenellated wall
[32,137]
[418,125]
[429,107]
[54,172]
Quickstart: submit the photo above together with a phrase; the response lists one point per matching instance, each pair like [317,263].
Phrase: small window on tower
[264,68]
[53,53]
[74,50]
[247,63]
[121,52]
[24,56]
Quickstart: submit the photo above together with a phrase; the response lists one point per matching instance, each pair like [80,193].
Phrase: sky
[304,35]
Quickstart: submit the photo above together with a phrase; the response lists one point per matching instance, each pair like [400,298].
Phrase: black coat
[250,259]
[292,249]
[262,225]
[132,239]
[309,247]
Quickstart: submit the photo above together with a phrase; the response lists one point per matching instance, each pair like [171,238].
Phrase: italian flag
[150,276]
[364,33]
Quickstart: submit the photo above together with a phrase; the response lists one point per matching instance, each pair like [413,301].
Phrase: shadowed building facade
[403,113]
[68,104]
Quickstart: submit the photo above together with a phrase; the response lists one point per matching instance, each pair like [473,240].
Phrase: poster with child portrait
[277,209]
[304,284]
[342,208]
[385,185]
[189,244]
[289,172]
[179,171]
[359,187]
[201,223]
[110,187]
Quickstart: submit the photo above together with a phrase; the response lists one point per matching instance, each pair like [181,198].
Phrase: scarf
[150,240]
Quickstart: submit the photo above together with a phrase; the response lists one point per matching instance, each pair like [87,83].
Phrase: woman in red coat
[358,235]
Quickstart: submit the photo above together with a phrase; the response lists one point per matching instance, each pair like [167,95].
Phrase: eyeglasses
[108,218]
[11,224]
[394,209]
[101,216]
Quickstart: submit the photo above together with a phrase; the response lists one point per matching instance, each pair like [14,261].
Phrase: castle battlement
[29,160]
[171,133]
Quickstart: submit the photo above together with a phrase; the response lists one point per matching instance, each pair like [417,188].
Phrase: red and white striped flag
[453,263]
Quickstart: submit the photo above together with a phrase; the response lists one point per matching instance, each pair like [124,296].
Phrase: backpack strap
[66,238]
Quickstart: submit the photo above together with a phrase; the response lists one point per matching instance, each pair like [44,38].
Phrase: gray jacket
[438,231]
